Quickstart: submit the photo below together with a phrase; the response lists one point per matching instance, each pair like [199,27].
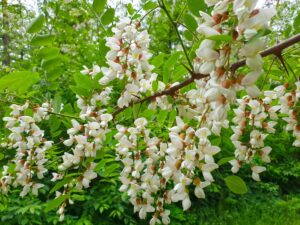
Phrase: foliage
[56,55]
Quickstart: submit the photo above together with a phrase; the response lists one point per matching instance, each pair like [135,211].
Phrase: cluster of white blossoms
[27,139]
[85,140]
[254,120]
[141,177]
[157,173]
[289,101]
[257,118]
[128,59]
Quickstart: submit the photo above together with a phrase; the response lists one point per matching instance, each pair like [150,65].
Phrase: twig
[277,49]
[195,76]
[163,7]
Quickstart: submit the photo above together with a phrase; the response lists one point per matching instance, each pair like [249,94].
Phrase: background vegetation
[69,34]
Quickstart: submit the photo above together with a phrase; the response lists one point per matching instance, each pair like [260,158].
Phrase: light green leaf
[42,40]
[220,38]
[158,60]
[149,5]
[162,116]
[19,81]
[98,5]
[57,103]
[36,25]
[169,65]
[130,9]
[236,184]
[47,53]
[108,16]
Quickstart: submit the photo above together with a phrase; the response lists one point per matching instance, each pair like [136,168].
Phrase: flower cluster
[157,173]
[28,140]
[255,119]
[85,139]
[141,177]
[128,59]
[289,102]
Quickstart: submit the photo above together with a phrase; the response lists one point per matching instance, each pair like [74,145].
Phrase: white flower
[256,170]
[140,123]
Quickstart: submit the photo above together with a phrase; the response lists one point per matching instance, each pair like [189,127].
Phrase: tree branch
[275,50]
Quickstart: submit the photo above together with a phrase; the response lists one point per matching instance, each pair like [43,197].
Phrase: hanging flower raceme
[128,60]
[289,104]
[143,157]
[86,138]
[255,118]
[28,140]
[157,173]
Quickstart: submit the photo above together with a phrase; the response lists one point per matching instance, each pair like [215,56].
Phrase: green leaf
[1,155]
[36,25]
[236,184]
[158,60]
[149,5]
[220,38]
[190,22]
[42,40]
[108,16]
[296,23]
[195,6]
[162,116]
[47,53]
[172,117]
[57,103]
[60,184]
[225,160]
[85,81]
[49,64]
[130,9]
[169,65]
[188,35]
[260,33]
[98,5]
[19,81]
[55,203]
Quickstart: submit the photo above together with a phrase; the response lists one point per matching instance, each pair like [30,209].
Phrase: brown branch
[275,50]
[171,91]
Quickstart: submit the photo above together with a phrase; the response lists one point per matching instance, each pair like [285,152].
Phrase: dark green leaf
[190,22]
[60,184]
[225,160]
[55,203]
[195,6]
